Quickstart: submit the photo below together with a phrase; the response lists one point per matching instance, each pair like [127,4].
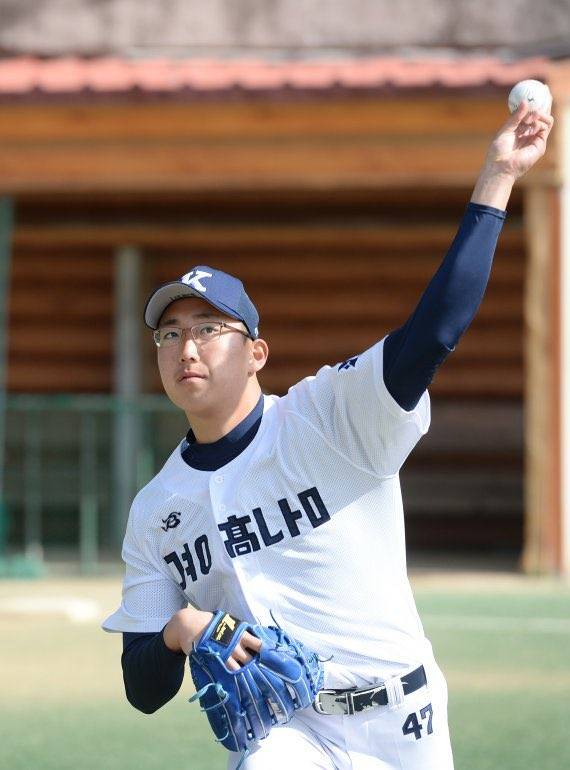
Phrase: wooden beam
[565,322]
[248,119]
[304,145]
[197,166]
[542,387]
[332,238]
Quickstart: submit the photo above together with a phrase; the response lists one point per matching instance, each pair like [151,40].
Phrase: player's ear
[257,355]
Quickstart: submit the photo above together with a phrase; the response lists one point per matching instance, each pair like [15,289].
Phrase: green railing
[68,478]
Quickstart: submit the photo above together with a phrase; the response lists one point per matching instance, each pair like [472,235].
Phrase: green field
[503,643]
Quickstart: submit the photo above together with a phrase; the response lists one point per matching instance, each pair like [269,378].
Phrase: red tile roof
[25,75]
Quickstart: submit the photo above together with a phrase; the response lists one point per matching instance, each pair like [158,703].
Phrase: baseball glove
[243,705]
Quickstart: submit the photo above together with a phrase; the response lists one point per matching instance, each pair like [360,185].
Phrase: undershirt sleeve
[413,352]
[152,673]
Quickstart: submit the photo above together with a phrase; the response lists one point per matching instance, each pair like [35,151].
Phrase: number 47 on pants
[414,726]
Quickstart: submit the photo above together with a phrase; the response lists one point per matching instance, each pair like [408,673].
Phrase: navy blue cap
[222,290]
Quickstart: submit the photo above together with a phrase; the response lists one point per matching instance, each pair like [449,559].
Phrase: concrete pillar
[127,382]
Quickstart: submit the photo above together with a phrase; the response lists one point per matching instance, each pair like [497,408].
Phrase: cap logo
[193,279]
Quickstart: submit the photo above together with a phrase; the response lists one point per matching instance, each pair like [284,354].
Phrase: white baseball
[534,92]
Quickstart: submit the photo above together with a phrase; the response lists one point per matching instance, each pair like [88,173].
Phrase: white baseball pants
[410,735]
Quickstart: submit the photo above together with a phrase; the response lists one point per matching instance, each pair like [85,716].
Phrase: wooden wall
[337,141]
[330,272]
[61,318]
[328,210]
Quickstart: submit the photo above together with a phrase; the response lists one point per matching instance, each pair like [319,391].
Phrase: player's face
[201,378]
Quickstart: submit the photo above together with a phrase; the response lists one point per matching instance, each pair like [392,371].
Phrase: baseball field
[503,642]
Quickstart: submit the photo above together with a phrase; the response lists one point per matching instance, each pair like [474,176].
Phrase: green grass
[106,735]
[509,731]
[509,680]
[62,705]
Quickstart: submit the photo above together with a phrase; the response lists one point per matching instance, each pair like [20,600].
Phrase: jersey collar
[210,457]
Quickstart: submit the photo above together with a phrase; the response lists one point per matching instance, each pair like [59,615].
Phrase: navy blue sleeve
[152,673]
[413,352]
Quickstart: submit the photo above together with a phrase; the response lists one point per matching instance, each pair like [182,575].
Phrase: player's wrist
[184,628]
[493,186]
[496,172]
[170,636]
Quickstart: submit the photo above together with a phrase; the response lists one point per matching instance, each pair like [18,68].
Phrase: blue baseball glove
[243,705]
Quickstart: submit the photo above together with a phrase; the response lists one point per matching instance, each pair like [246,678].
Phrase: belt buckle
[334,702]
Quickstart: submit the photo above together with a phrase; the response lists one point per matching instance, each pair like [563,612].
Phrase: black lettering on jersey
[290,516]
[266,536]
[241,540]
[189,561]
[173,558]
[202,552]
[310,498]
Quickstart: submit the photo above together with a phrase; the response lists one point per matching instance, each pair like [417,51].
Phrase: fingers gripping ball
[534,92]
[243,705]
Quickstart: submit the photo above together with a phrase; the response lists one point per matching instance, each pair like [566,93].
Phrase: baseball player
[289,509]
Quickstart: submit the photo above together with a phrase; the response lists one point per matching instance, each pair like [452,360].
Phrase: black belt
[352,701]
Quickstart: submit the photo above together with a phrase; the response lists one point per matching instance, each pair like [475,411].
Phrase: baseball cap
[222,290]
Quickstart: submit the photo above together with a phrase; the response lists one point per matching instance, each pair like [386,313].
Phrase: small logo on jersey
[193,279]
[171,521]
[350,362]
[224,631]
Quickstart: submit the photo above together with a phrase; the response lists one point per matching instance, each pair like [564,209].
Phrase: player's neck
[208,428]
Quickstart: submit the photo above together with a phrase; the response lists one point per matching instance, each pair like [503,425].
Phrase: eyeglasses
[171,336]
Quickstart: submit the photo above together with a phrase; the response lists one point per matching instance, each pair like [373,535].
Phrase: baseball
[534,92]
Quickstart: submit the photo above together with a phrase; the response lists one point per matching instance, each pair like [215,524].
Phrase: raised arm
[413,352]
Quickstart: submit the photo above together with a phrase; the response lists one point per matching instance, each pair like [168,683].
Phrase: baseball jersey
[306,523]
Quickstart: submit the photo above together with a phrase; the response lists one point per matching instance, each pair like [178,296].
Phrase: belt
[354,700]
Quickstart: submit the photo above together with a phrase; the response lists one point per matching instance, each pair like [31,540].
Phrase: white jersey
[307,522]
